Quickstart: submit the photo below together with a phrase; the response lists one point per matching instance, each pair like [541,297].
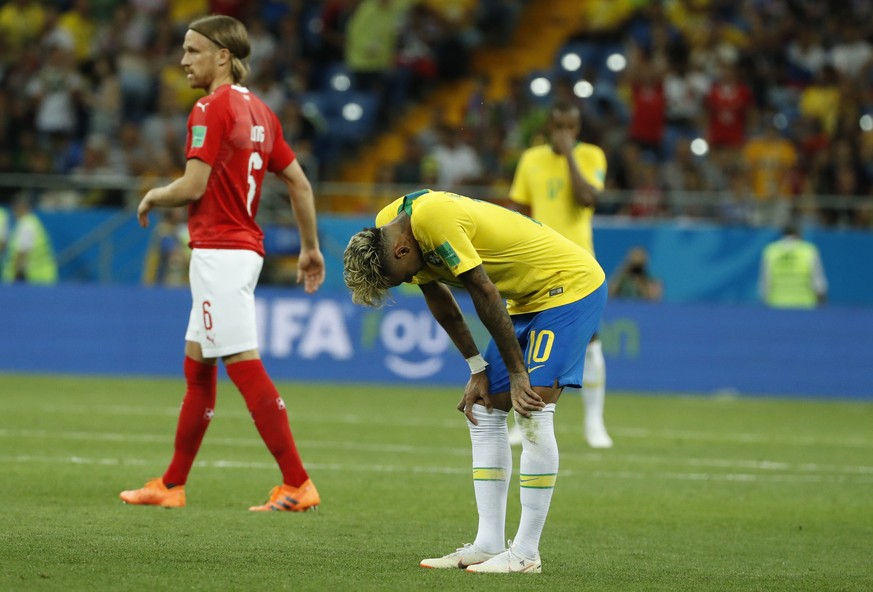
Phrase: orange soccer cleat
[155,493]
[284,498]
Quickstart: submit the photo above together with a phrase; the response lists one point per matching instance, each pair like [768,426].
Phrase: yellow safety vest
[789,269]
[41,267]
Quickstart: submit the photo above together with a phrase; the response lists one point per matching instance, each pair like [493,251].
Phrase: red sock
[271,419]
[198,407]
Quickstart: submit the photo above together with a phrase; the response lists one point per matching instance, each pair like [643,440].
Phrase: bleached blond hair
[363,266]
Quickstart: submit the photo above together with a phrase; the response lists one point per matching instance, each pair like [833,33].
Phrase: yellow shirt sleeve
[446,231]
[518,191]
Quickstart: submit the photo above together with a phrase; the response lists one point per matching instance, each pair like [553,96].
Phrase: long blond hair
[363,263]
[227,33]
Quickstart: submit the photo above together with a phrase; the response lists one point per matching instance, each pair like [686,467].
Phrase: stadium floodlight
[616,62]
[341,82]
[571,62]
[540,86]
[866,122]
[699,146]
[352,112]
[583,89]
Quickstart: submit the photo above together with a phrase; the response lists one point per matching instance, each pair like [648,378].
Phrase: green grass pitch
[699,493]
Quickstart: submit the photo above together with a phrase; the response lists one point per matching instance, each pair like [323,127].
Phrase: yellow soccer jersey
[533,267]
[542,182]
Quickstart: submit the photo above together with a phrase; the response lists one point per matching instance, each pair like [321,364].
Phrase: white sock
[492,468]
[538,473]
[594,386]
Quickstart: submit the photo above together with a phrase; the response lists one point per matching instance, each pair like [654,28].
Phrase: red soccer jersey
[241,139]
[729,105]
[648,118]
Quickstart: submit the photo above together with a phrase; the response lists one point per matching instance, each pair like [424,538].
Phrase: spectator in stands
[821,99]
[520,116]
[841,178]
[729,106]
[30,257]
[736,203]
[300,132]
[496,19]
[335,16]
[647,199]
[57,89]
[648,102]
[408,170]
[456,162]
[96,166]
[164,128]
[21,23]
[104,98]
[851,54]
[79,24]
[416,51]
[684,90]
[769,160]
[791,273]
[805,56]
[681,175]
[371,46]
[263,48]
[633,280]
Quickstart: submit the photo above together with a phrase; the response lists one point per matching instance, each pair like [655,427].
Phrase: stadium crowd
[744,111]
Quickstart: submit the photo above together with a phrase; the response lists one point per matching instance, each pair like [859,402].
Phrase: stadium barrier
[697,262]
[657,347]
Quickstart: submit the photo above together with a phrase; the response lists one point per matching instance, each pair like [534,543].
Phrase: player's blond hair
[227,33]
[363,263]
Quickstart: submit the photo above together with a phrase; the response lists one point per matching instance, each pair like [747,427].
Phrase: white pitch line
[611,456]
[457,422]
[442,470]
[253,442]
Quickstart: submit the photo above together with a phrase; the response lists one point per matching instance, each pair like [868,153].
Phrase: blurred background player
[30,257]
[555,293]
[557,184]
[233,140]
[792,275]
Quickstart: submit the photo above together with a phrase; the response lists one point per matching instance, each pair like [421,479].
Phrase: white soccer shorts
[223,284]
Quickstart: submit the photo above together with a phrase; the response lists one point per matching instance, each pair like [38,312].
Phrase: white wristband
[477,364]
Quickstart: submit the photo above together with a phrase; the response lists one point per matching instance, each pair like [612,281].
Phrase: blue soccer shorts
[553,342]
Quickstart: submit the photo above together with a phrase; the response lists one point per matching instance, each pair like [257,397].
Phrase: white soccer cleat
[508,562]
[597,437]
[467,555]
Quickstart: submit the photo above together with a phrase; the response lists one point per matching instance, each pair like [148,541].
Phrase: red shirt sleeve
[207,126]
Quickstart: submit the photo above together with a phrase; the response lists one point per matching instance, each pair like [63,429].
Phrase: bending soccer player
[233,140]
[555,294]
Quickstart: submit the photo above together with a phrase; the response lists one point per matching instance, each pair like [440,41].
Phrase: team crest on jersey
[432,259]
[448,254]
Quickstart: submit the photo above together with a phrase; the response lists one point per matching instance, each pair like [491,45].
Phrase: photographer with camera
[633,280]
